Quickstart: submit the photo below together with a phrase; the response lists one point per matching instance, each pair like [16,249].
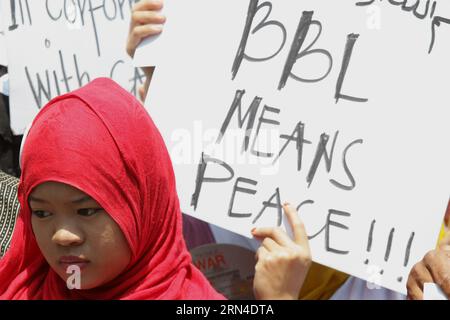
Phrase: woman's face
[75,233]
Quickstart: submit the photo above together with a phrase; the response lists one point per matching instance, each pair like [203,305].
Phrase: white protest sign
[3,59]
[338,108]
[58,46]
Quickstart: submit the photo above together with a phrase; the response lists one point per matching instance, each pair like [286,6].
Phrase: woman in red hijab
[100,217]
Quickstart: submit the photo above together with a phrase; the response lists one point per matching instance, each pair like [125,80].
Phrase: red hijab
[101,140]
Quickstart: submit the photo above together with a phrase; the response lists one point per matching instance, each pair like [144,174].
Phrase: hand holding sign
[433,268]
[282,262]
[145,22]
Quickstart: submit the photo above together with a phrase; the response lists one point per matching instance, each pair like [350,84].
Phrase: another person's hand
[146,21]
[434,268]
[282,262]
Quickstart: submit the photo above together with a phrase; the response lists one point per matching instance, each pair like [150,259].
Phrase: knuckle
[410,281]
[307,257]
[151,29]
[297,225]
[284,255]
[135,33]
[414,273]
[269,259]
[135,16]
[409,285]
[130,52]
[157,18]
[278,231]
[294,254]
[430,256]
[270,232]
[266,242]
[444,281]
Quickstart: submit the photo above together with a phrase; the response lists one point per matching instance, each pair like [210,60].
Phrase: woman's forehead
[51,190]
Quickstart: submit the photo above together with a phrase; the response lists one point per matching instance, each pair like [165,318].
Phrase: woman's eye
[88,212]
[41,214]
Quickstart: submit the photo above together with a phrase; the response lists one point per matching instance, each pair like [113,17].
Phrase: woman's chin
[78,283]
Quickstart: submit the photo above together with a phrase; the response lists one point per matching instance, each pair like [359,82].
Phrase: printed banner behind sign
[229,268]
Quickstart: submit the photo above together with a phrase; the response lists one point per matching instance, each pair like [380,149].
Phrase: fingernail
[253,230]
[287,204]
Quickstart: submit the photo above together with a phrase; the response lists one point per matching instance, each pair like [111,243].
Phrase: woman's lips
[68,261]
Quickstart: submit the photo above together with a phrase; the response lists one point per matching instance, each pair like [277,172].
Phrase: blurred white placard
[57,46]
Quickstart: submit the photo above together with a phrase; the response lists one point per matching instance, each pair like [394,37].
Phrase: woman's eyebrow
[81,200]
[76,201]
[34,199]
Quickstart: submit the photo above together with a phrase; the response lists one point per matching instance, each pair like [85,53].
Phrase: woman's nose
[64,237]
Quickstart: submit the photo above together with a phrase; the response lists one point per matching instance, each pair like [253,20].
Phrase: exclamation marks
[387,253]
[407,253]
[388,250]
[370,239]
